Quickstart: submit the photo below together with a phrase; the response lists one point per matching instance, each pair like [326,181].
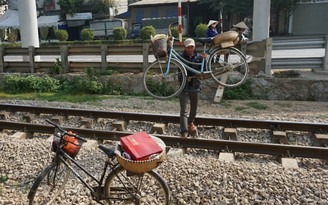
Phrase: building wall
[309,19]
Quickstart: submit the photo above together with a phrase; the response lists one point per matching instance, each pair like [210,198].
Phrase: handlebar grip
[66,133]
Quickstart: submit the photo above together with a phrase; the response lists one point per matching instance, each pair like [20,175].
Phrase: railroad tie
[230,134]
[58,119]
[158,128]
[22,135]
[279,137]
[28,117]
[4,115]
[86,123]
[321,140]
[119,125]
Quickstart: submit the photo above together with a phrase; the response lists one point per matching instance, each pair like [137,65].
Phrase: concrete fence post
[145,53]
[268,56]
[325,58]
[64,57]
[103,57]
[31,54]
[2,59]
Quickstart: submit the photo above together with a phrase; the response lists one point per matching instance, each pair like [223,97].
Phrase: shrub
[200,30]
[61,35]
[87,34]
[13,83]
[44,31]
[119,33]
[12,37]
[57,68]
[2,34]
[175,31]
[146,32]
[241,92]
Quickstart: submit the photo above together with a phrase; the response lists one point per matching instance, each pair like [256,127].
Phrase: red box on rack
[140,146]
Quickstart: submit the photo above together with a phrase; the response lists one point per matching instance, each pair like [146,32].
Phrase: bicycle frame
[96,193]
[175,55]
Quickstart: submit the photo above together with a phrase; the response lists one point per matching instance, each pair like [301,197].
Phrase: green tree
[69,7]
[3,2]
[102,6]
[245,7]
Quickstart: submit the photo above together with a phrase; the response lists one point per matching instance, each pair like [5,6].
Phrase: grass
[63,97]
[258,106]
[54,97]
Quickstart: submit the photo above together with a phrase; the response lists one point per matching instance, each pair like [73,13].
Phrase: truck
[103,28]
[160,24]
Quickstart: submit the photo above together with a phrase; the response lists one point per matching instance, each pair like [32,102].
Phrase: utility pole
[261,19]
[28,23]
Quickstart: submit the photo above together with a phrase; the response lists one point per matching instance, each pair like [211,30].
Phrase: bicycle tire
[229,66]
[161,87]
[44,190]
[148,186]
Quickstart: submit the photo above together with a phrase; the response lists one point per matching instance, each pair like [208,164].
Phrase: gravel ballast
[196,178]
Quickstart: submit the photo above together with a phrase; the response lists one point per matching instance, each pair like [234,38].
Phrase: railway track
[282,148]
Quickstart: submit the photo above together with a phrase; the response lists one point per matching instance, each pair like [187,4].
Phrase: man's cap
[189,42]
[212,22]
[241,25]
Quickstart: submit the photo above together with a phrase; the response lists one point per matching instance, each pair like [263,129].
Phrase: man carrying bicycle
[190,91]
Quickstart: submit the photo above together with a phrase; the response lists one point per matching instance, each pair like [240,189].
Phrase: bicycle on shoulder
[166,77]
[119,186]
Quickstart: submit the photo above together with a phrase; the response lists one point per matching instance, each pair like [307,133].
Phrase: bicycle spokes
[231,63]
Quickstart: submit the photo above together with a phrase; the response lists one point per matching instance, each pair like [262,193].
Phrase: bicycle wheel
[229,67]
[123,187]
[162,84]
[49,184]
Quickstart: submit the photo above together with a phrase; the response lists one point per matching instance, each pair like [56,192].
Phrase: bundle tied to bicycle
[159,45]
[227,39]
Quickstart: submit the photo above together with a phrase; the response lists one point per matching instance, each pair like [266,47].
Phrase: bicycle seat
[109,151]
[205,40]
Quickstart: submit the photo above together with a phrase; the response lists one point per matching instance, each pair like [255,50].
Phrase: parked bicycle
[123,185]
[166,77]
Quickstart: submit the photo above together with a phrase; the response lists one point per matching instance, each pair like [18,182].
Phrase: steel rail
[210,144]
[205,121]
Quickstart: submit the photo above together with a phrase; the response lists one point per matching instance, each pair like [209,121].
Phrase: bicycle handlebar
[64,131]
[170,25]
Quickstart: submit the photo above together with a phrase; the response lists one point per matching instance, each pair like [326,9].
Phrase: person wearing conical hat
[240,27]
[211,28]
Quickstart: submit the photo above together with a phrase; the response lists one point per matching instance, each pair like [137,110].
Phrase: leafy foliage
[61,35]
[14,83]
[87,34]
[57,68]
[200,30]
[119,33]
[146,32]
[101,6]
[12,37]
[175,31]
[69,7]
[241,92]
[245,7]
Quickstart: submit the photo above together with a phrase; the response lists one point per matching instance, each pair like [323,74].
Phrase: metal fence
[300,43]
[261,53]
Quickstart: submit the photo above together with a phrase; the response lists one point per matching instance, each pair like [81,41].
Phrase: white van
[103,29]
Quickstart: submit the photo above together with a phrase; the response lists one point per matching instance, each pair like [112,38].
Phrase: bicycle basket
[142,166]
[71,145]
[159,44]
[227,39]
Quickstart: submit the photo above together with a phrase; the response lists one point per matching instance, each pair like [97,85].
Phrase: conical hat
[211,22]
[241,25]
